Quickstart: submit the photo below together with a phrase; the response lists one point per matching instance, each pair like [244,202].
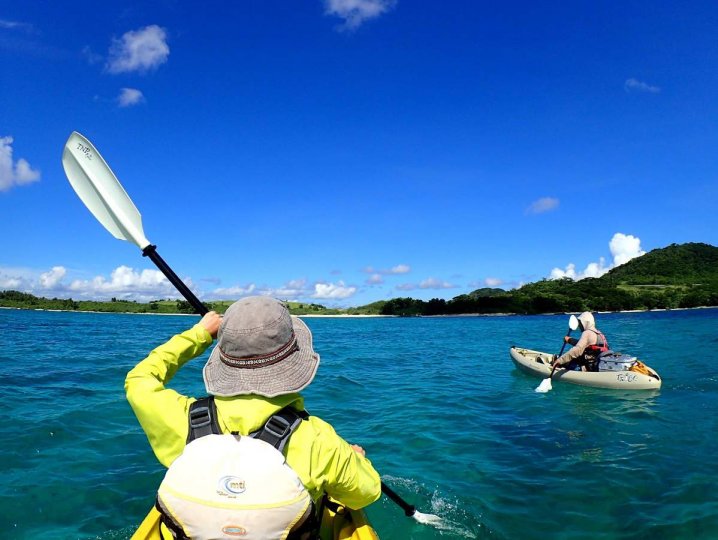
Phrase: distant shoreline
[101,312]
[367,316]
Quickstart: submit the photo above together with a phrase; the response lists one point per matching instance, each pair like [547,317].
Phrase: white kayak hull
[538,363]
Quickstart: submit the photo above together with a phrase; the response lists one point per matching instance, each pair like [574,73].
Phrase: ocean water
[443,414]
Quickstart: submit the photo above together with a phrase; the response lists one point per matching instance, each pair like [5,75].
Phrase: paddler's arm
[349,476]
[575,351]
[162,412]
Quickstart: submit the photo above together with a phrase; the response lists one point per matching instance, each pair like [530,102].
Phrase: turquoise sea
[445,417]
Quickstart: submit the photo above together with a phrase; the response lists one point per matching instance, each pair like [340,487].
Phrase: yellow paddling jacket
[323,461]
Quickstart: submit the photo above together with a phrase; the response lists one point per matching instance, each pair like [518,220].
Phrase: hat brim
[291,374]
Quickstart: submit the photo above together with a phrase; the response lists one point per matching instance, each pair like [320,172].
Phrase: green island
[677,276]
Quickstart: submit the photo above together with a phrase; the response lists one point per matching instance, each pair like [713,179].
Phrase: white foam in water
[439,505]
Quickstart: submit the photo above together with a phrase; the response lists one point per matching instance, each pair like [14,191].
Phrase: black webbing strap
[203,419]
[177,532]
[280,426]
[276,430]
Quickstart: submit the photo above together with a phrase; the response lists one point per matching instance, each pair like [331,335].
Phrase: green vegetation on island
[678,276]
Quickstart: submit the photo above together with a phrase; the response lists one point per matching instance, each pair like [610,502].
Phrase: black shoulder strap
[280,426]
[165,519]
[203,419]
[276,430]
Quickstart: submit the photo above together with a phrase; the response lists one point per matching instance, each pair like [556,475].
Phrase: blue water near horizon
[436,402]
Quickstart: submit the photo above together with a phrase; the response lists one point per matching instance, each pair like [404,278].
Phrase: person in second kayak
[262,359]
[584,353]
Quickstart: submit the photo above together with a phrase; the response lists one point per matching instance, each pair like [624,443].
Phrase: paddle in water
[545,385]
[410,510]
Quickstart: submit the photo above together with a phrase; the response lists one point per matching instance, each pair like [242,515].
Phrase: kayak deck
[345,524]
[538,363]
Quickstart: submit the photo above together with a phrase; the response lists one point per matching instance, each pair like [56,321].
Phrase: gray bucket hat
[261,349]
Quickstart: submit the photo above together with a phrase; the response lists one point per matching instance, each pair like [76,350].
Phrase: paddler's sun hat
[261,349]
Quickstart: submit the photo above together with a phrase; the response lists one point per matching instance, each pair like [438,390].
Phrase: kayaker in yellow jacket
[262,359]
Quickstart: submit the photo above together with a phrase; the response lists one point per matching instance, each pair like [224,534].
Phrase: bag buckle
[200,417]
[277,426]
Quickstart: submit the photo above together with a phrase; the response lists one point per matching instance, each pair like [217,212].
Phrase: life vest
[600,346]
[228,486]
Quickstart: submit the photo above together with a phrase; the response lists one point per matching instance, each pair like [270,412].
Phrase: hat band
[260,361]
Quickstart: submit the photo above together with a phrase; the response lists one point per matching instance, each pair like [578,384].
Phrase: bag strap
[177,531]
[203,419]
[280,426]
[276,430]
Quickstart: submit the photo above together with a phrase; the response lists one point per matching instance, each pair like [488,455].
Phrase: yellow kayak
[344,524]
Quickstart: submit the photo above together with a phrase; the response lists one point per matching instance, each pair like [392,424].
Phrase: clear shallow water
[436,402]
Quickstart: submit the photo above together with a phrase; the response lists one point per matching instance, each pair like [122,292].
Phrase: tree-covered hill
[678,276]
[684,264]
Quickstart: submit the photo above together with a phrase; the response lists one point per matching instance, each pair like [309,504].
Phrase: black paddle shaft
[151,252]
[409,510]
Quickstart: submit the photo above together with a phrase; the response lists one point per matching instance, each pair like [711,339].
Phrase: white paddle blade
[428,519]
[573,322]
[545,386]
[101,191]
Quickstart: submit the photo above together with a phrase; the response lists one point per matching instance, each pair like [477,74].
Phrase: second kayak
[638,377]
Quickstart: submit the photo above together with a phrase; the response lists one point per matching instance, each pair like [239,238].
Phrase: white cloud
[50,280]
[406,287]
[433,283]
[14,174]
[11,281]
[295,288]
[139,50]
[569,272]
[429,283]
[126,282]
[17,278]
[229,293]
[394,270]
[333,291]
[91,56]
[355,12]
[544,204]
[15,25]
[375,279]
[129,97]
[634,85]
[493,282]
[623,247]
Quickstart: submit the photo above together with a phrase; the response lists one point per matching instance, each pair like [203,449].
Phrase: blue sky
[347,151]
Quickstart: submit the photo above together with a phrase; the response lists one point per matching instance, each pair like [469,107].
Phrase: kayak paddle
[410,510]
[101,191]
[545,385]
